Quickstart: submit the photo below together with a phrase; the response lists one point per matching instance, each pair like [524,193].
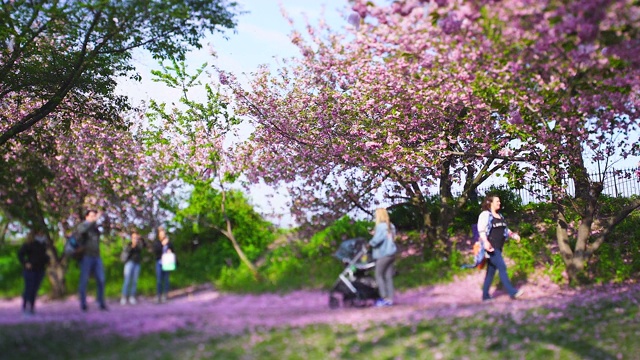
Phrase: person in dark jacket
[34,259]
[162,246]
[132,256]
[88,236]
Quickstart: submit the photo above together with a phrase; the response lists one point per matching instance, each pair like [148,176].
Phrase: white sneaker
[123,301]
[518,294]
[132,300]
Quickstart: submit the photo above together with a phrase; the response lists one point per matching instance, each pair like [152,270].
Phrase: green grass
[603,330]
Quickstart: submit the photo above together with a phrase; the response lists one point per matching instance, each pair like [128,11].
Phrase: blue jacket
[382,241]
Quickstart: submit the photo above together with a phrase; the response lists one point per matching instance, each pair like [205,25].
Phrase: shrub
[510,201]
[616,260]
[10,271]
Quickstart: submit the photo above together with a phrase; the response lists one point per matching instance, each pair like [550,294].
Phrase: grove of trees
[420,95]
[413,101]
[67,140]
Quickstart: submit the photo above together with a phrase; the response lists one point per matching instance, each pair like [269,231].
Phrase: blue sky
[262,36]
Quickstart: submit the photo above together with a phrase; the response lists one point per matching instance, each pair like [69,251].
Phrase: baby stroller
[355,283]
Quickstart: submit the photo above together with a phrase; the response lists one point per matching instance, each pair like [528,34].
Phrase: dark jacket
[34,253]
[134,253]
[157,248]
[88,236]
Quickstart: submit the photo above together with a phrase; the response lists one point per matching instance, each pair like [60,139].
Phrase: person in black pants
[34,259]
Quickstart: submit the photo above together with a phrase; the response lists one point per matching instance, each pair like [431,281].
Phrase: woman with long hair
[494,232]
[384,253]
[132,257]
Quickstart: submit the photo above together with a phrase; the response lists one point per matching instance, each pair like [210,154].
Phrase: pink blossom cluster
[71,162]
[416,95]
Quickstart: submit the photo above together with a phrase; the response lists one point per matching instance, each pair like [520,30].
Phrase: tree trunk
[585,203]
[56,272]
[57,268]
[243,257]
[574,265]
[447,212]
[3,231]
[229,234]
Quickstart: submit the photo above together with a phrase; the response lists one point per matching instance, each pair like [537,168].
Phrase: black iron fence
[616,183]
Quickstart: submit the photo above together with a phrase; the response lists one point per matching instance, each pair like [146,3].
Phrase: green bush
[510,200]
[327,241]
[298,264]
[527,254]
[415,271]
[11,282]
[467,216]
[406,216]
[556,269]
[617,259]
[205,256]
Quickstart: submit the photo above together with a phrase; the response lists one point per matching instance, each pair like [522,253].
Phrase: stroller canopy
[349,248]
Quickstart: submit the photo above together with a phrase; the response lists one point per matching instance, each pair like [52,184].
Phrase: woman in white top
[494,232]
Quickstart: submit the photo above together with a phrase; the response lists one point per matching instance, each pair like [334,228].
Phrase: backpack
[125,254]
[479,253]
[72,248]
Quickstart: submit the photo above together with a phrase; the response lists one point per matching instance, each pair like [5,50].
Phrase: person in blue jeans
[34,259]
[161,247]
[132,256]
[493,232]
[88,236]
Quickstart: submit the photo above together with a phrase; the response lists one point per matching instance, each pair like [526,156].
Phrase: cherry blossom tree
[421,94]
[394,106]
[50,174]
[576,94]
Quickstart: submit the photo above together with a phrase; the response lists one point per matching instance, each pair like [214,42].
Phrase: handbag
[168,261]
[124,255]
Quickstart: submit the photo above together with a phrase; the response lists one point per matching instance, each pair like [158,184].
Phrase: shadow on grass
[79,341]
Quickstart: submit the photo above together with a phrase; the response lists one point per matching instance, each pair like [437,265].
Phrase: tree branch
[611,224]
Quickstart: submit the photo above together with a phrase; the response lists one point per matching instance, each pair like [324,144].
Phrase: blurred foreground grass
[606,329]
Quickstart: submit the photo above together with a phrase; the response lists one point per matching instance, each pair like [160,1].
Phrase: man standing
[88,236]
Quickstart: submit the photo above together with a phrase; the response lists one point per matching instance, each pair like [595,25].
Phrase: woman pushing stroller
[384,253]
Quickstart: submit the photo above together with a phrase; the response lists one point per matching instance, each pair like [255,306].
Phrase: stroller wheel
[348,302]
[359,302]
[334,303]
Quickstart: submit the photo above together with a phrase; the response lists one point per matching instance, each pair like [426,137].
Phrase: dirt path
[216,314]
